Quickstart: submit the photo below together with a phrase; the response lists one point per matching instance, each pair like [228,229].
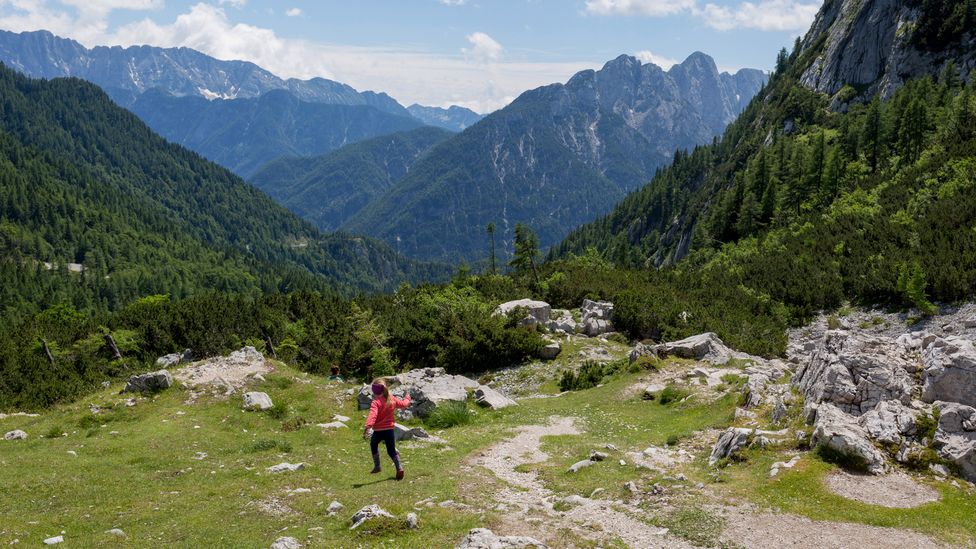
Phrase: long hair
[386,391]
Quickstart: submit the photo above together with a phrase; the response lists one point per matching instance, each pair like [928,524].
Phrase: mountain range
[453,118]
[556,157]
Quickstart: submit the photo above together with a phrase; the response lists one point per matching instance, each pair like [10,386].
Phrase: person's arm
[402,403]
[374,408]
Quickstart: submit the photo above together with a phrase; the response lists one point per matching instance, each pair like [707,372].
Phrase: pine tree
[873,134]
[491,233]
[526,252]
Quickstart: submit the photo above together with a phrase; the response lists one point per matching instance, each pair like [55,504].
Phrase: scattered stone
[283,467]
[401,432]
[631,487]
[16,434]
[939,470]
[116,532]
[854,372]
[955,437]
[483,538]
[598,456]
[286,543]
[841,433]
[562,321]
[706,347]
[258,377]
[950,371]
[54,541]
[151,381]
[412,521]
[334,508]
[257,401]
[651,391]
[539,311]
[72,453]
[200,456]
[576,467]
[775,469]
[597,317]
[595,492]
[342,419]
[333,425]
[367,513]
[130,402]
[490,398]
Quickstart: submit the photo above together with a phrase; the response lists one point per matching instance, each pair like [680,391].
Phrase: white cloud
[236,3]
[767,15]
[294,12]
[483,48]
[764,15]
[646,56]
[650,8]
[453,2]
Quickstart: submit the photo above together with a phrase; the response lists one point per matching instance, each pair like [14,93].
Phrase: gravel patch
[896,489]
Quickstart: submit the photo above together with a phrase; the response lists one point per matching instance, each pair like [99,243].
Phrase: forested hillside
[330,189]
[85,182]
[812,198]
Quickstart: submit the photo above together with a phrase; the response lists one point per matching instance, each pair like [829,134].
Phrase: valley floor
[184,469]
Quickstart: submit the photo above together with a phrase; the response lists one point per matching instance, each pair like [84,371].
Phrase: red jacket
[381,417]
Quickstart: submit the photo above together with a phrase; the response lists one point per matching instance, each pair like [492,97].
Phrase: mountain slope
[86,182]
[330,189]
[813,196]
[454,118]
[126,73]
[556,157]
[244,134]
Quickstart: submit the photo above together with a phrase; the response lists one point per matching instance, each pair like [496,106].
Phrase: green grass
[449,414]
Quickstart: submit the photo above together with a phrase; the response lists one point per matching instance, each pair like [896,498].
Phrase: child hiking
[381,421]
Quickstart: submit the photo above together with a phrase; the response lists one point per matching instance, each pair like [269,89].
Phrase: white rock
[538,310]
[889,422]
[576,467]
[255,400]
[283,467]
[488,397]
[334,508]
[151,381]
[651,391]
[286,543]
[115,532]
[342,419]
[841,433]
[729,443]
[16,434]
[955,437]
[54,541]
[333,425]
[950,371]
[550,351]
[367,513]
[482,538]
[412,521]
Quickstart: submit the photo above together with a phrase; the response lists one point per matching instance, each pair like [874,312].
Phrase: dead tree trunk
[47,351]
[116,355]
[271,348]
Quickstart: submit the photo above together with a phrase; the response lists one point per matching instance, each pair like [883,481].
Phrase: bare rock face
[841,433]
[706,347]
[597,317]
[955,438]
[152,381]
[855,372]
[482,538]
[950,371]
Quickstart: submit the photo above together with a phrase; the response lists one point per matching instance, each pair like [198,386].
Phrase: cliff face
[871,46]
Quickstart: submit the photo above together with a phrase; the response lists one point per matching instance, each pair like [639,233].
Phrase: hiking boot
[375,470]
[399,474]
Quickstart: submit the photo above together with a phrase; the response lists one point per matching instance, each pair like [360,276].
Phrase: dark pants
[389,438]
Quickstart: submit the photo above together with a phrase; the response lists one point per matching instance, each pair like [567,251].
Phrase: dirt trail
[530,495]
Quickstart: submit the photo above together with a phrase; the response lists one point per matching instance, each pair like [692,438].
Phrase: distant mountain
[330,189]
[125,73]
[454,118]
[557,157]
[84,181]
[244,134]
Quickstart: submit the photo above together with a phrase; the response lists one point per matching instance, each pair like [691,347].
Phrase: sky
[479,54]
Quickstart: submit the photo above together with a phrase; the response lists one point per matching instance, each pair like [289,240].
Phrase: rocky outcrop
[227,374]
[174,359]
[427,387]
[855,371]
[706,347]
[890,422]
[840,433]
[949,371]
[286,467]
[16,434]
[257,401]
[562,321]
[490,398]
[955,437]
[868,46]
[286,542]
[729,443]
[537,312]
[151,381]
[482,538]
[597,317]
[550,351]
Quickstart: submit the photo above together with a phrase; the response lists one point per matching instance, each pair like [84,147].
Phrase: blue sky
[476,53]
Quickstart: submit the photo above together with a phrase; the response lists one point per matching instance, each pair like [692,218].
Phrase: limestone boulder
[369,512]
[402,432]
[562,321]
[890,422]
[257,401]
[955,437]
[151,381]
[16,434]
[949,373]
[856,371]
[706,347]
[730,442]
[597,317]
[490,398]
[286,542]
[482,538]
[428,388]
[538,310]
[550,351]
[839,432]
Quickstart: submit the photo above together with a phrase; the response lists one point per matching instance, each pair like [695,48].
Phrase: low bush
[449,414]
